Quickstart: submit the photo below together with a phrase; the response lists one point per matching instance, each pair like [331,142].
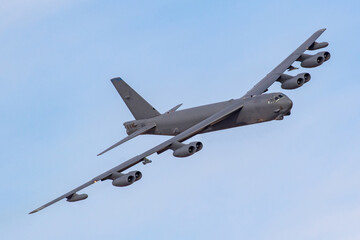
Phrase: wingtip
[101,153]
[322,29]
[116,79]
[34,211]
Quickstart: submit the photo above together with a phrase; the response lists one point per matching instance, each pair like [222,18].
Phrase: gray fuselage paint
[255,109]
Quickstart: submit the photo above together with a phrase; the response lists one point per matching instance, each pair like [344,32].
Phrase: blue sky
[292,179]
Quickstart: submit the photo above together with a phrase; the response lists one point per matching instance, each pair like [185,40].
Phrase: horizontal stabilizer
[174,108]
[134,134]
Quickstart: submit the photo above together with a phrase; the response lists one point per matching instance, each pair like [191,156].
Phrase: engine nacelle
[136,174]
[123,180]
[317,45]
[185,151]
[76,197]
[305,76]
[310,61]
[325,55]
[198,145]
[290,82]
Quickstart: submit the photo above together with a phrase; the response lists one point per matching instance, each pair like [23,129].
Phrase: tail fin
[138,106]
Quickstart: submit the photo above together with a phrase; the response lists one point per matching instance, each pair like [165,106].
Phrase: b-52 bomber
[255,106]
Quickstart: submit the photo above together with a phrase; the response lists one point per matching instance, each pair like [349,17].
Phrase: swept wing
[236,105]
[272,76]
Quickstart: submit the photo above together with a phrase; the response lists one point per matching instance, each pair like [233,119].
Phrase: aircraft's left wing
[222,114]
[270,78]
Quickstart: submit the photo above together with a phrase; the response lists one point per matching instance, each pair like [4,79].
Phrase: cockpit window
[275,99]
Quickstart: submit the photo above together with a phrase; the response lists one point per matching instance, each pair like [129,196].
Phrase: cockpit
[275,98]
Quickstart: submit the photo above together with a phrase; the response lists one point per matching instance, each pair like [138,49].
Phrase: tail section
[138,106]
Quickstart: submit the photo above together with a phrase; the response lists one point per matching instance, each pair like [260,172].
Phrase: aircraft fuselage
[257,109]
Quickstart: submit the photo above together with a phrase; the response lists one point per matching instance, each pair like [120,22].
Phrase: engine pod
[185,151]
[198,145]
[317,45]
[124,180]
[137,175]
[76,197]
[293,83]
[313,61]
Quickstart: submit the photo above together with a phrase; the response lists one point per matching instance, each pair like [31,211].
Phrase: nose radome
[288,103]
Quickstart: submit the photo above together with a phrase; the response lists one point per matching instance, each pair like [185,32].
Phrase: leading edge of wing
[236,105]
[271,77]
[64,196]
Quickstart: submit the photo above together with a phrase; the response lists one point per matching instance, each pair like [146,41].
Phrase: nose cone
[283,105]
[288,103]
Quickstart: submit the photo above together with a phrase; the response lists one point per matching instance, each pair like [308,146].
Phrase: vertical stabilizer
[138,106]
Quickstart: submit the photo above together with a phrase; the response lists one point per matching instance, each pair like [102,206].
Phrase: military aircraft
[255,106]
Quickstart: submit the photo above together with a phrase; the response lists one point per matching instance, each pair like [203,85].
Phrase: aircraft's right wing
[222,114]
[271,77]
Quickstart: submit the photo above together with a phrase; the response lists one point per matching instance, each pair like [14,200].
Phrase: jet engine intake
[185,150]
[305,76]
[310,61]
[198,145]
[137,175]
[290,82]
[326,55]
[124,180]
